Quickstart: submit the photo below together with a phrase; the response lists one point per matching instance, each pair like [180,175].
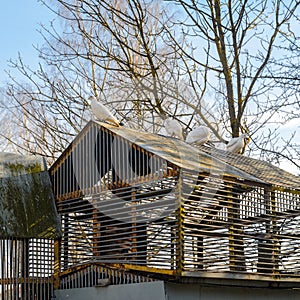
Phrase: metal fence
[122,204]
[26,269]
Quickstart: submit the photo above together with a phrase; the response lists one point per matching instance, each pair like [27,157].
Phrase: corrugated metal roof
[208,159]
[257,168]
[179,153]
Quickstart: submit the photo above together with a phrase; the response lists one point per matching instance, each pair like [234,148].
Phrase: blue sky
[19,25]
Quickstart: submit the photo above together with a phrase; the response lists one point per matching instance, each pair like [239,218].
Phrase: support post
[235,232]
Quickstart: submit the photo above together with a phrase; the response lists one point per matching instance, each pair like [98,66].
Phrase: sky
[20,21]
[19,24]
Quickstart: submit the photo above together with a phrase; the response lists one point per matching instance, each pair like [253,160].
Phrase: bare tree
[112,50]
[211,62]
[242,45]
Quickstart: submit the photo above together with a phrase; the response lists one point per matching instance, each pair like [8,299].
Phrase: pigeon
[199,135]
[237,144]
[173,128]
[102,113]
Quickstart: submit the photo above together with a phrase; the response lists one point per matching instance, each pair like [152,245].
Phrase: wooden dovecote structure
[137,201]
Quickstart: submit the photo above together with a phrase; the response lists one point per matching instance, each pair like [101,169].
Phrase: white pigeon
[102,113]
[173,128]
[199,135]
[237,144]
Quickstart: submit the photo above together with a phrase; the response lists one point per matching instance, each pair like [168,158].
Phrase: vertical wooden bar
[65,253]
[68,175]
[133,244]
[230,228]
[235,238]
[88,167]
[96,233]
[275,241]
[180,228]
[265,242]
[25,268]
[92,160]
[57,262]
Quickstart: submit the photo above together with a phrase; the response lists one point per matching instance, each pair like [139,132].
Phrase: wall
[169,291]
[136,291]
[198,292]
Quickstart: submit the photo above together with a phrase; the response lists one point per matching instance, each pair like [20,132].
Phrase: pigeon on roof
[237,144]
[173,128]
[199,135]
[102,113]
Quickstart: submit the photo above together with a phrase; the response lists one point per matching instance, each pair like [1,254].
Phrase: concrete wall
[136,291]
[198,292]
[167,291]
